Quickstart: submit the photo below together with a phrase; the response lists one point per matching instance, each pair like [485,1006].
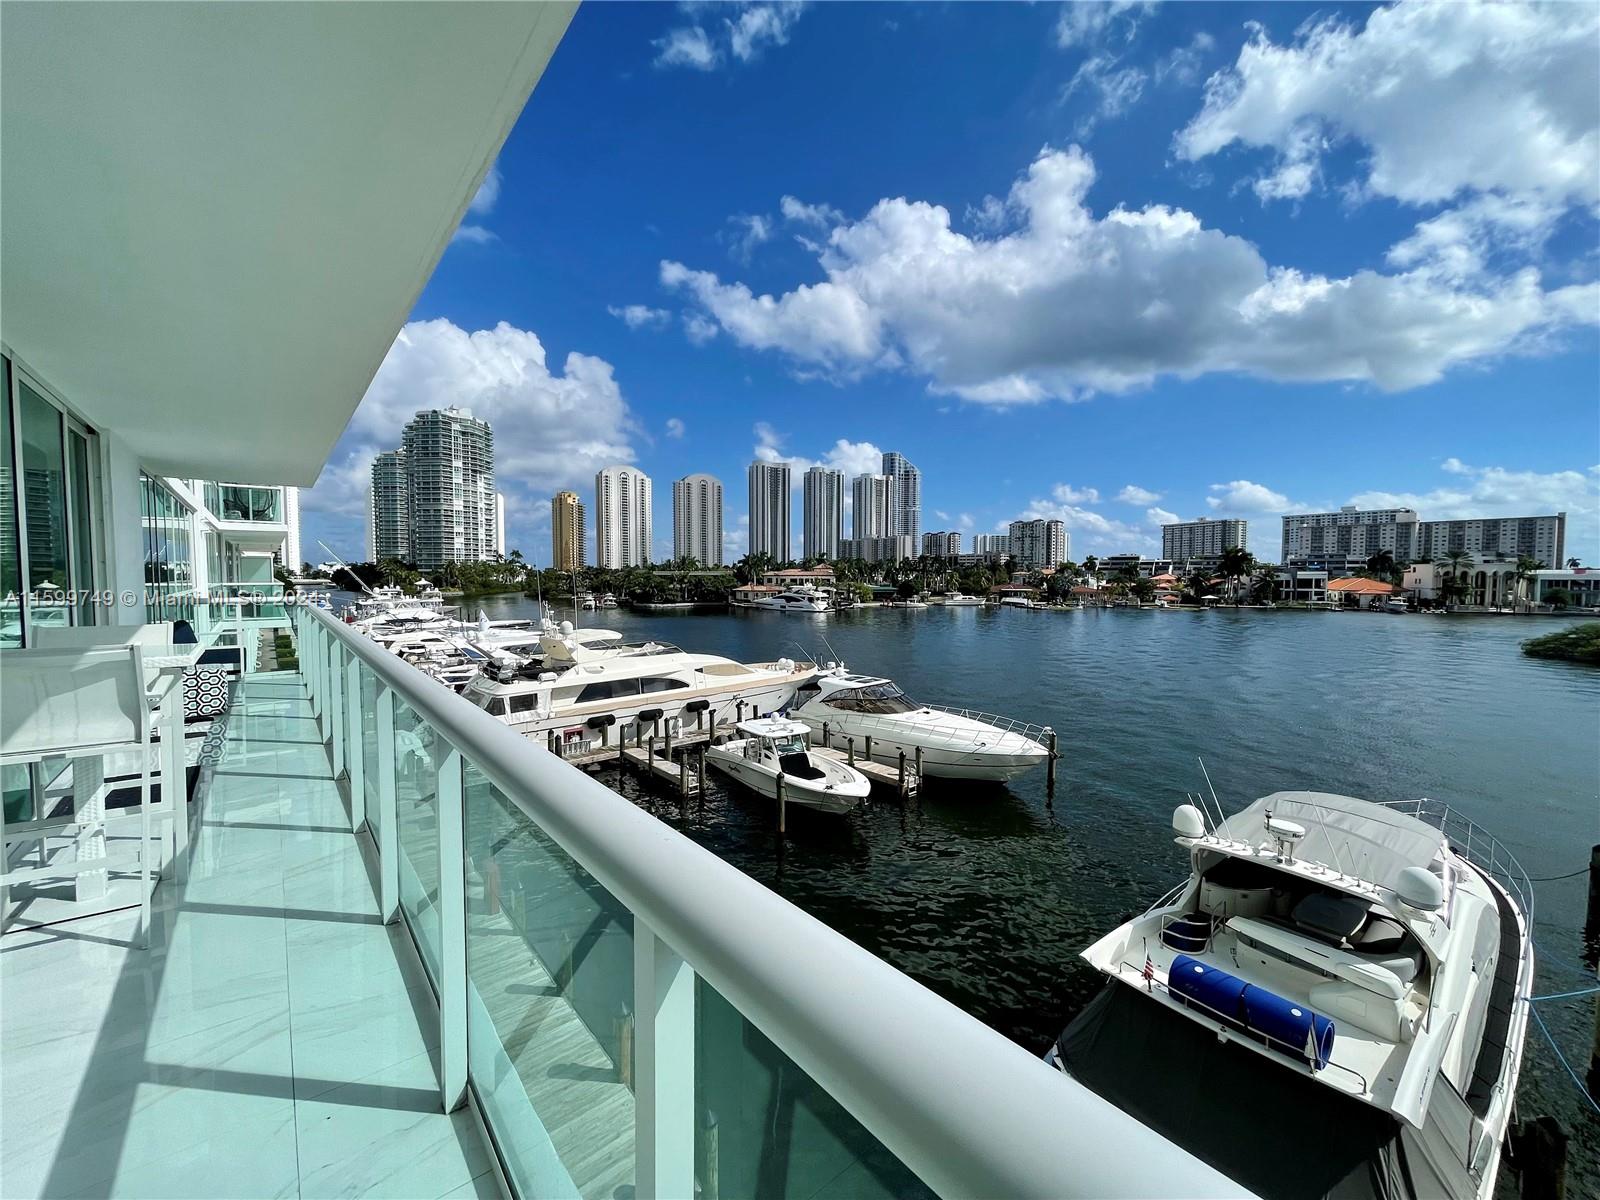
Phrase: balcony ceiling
[215,217]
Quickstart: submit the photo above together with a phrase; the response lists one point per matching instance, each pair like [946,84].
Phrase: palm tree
[1091,564]
[1573,564]
[1459,584]
[1522,572]
[1382,566]
[1264,584]
[1237,562]
[1196,585]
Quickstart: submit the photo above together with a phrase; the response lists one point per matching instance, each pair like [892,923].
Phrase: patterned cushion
[205,692]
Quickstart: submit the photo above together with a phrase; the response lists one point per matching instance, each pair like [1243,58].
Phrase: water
[986,896]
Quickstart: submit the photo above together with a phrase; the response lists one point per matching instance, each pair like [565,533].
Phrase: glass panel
[369,744]
[168,554]
[418,750]
[550,989]
[82,526]
[44,502]
[763,1127]
[10,546]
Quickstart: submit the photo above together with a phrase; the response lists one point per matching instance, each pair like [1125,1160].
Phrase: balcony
[417,955]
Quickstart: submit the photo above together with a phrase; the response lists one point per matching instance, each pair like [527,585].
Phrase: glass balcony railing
[235,502]
[629,1012]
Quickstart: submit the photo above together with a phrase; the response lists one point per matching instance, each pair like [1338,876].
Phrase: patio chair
[80,704]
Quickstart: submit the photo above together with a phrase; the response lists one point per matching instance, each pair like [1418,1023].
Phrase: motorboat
[1019,602]
[804,599]
[608,600]
[581,691]
[1395,605]
[954,743]
[1333,1003]
[770,747]
[960,600]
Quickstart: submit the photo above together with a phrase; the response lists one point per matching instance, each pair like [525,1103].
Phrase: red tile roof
[1362,587]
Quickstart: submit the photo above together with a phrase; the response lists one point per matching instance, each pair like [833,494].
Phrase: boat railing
[1037,733]
[1475,844]
[483,810]
[893,724]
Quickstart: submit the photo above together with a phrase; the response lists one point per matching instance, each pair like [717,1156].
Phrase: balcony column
[336,721]
[355,744]
[388,839]
[663,1068]
[452,934]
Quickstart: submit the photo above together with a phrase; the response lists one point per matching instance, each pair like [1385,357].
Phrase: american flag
[1149,972]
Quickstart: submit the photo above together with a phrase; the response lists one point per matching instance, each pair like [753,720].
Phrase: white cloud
[1069,302]
[1242,496]
[750,231]
[1091,532]
[1445,99]
[483,200]
[1500,492]
[675,427]
[1112,89]
[753,28]
[550,430]
[1068,494]
[476,234]
[1182,66]
[1136,495]
[965,521]
[1084,22]
[640,316]
[801,213]
[699,329]
[1160,516]
[851,458]
[688,46]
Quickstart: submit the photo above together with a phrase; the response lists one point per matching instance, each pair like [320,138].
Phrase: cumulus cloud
[1243,496]
[1501,492]
[1068,494]
[481,204]
[1089,21]
[752,29]
[699,329]
[1445,100]
[1136,495]
[640,316]
[1091,532]
[675,427]
[801,213]
[1160,516]
[551,430]
[851,458]
[749,231]
[1069,302]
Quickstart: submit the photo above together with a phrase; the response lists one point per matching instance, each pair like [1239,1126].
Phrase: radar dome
[1420,889]
[1187,822]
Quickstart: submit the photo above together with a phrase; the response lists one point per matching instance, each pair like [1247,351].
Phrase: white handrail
[969,1111]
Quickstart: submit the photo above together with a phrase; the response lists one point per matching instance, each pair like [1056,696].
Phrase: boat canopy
[1343,834]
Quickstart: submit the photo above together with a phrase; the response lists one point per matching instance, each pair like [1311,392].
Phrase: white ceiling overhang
[215,217]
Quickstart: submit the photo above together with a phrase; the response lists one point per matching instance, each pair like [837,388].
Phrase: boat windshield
[880,698]
[790,745]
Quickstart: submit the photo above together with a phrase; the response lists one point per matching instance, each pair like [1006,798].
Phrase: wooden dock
[903,779]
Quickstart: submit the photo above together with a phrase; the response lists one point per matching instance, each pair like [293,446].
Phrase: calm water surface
[986,896]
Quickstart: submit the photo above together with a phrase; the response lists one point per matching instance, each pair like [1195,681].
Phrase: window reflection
[168,553]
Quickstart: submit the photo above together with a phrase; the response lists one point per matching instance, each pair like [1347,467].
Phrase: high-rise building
[1542,538]
[1202,538]
[697,519]
[569,533]
[449,487]
[992,545]
[822,494]
[1037,544]
[769,509]
[388,509]
[945,544]
[623,524]
[500,524]
[869,507]
[291,539]
[905,496]
[883,549]
[1344,540]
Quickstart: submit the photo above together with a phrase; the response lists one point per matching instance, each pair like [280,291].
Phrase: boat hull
[764,782]
[939,759]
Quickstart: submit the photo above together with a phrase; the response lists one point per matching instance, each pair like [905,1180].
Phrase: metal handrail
[887,722]
[967,1109]
[1475,844]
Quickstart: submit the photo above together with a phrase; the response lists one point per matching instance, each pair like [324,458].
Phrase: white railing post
[336,719]
[313,670]
[355,744]
[388,839]
[452,934]
[663,1068]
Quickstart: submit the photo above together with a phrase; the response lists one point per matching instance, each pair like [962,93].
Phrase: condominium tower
[388,519]
[1344,540]
[905,496]
[1543,538]
[569,532]
[1038,544]
[622,517]
[769,509]
[944,544]
[869,511]
[450,493]
[697,519]
[1202,538]
[822,494]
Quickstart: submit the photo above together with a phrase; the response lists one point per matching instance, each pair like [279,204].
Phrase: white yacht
[773,746]
[955,743]
[581,690]
[961,600]
[1333,1003]
[804,599]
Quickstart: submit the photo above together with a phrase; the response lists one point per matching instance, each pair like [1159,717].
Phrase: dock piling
[1050,765]
[782,806]
[700,773]
[825,735]
[683,777]
[851,746]
[869,747]
[919,770]
[902,774]
[1591,924]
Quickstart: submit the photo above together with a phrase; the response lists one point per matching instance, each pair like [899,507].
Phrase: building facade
[1542,538]
[1202,538]
[869,508]
[388,510]
[450,495]
[697,519]
[905,497]
[569,532]
[769,509]
[1581,586]
[1346,539]
[885,549]
[992,545]
[500,524]
[623,523]
[1038,544]
[944,544]
[822,512]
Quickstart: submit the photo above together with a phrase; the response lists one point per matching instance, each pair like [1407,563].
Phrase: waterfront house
[818,576]
[387,946]
[1355,592]
[1581,585]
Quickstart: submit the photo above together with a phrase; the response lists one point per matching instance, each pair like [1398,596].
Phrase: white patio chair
[80,704]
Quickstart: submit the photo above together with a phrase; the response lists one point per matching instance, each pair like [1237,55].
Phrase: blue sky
[1104,262]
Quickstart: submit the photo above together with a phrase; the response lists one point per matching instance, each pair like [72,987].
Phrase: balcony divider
[883,1087]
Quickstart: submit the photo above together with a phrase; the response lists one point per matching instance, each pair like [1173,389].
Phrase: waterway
[987,895]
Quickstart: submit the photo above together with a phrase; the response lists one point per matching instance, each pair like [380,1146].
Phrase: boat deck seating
[800,766]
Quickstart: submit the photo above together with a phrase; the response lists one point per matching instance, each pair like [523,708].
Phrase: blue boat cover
[1287,1027]
[1211,988]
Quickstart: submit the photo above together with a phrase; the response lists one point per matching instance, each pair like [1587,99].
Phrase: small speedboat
[774,746]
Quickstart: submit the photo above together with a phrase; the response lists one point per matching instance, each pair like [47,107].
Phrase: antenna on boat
[1214,799]
[833,655]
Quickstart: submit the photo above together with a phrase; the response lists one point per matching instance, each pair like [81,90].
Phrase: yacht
[609,600]
[804,598]
[960,600]
[1333,1002]
[1019,602]
[955,743]
[774,746]
[582,690]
